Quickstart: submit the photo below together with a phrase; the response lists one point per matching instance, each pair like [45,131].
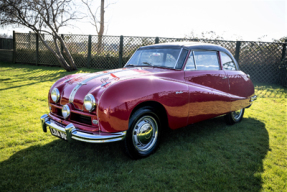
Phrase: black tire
[234,117]
[142,138]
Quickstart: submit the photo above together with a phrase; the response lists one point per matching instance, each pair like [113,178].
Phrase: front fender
[119,99]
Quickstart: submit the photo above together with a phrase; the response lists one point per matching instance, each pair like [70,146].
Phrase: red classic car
[162,86]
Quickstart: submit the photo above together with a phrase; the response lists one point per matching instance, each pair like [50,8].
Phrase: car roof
[187,45]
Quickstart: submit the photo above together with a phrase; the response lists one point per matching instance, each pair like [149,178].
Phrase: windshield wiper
[146,63]
[160,66]
[130,65]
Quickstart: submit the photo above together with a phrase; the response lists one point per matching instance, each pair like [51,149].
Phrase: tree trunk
[68,54]
[64,64]
[102,25]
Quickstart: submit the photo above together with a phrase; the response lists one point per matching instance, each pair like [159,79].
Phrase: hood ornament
[105,79]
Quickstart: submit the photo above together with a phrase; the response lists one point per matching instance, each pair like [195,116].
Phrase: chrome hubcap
[236,114]
[145,133]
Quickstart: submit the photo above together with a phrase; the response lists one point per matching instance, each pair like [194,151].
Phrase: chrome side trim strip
[73,133]
[73,93]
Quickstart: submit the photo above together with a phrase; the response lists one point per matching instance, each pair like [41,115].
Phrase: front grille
[81,118]
[74,116]
[59,112]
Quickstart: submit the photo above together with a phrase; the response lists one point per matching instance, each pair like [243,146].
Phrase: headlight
[66,111]
[55,95]
[90,102]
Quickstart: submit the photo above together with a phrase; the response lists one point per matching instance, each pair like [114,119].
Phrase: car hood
[75,87]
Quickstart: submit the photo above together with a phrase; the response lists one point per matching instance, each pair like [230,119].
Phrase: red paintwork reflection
[187,97]
[212,79]
[240,84]
[114,112]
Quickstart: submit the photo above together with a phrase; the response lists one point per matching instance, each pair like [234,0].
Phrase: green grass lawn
[206,156]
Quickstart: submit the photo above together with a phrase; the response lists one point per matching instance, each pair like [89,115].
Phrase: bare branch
[42,16]
[91,14]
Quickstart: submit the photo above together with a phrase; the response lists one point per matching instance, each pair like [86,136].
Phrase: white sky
[233,19]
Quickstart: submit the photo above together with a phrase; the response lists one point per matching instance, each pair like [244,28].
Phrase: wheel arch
[159,109]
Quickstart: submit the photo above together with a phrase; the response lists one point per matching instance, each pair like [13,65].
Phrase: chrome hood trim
[73,93]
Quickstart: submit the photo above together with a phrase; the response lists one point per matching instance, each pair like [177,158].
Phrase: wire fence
[265,62]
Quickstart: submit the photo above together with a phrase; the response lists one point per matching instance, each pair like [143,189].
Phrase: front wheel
[234,117]
[142,137]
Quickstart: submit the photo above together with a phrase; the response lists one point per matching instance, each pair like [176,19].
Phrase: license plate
[58,133]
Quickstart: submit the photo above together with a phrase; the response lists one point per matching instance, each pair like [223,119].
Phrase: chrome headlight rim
[66,111]
[55,95]
[90,102]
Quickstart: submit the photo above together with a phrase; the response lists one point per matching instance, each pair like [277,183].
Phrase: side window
[227,62]
[206,60]
[190,62]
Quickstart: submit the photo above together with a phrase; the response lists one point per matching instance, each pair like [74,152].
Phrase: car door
[208,86]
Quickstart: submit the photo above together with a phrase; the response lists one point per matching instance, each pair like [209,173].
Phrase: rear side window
[227,62]
[206,60]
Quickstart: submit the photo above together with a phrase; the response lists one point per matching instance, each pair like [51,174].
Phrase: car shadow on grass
[207,156]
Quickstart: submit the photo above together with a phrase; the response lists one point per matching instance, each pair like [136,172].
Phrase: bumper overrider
[70,132]
[252,98]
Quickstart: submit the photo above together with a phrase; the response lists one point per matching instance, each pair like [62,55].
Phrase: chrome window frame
[178,58]
[193,62]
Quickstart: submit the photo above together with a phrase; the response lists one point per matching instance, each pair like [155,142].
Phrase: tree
[4,35]
[204,35]
[42,16]
[209,35]
[98,24]
[280,40]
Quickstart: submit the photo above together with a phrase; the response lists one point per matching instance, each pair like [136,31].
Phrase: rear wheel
[234,117]
[142,137]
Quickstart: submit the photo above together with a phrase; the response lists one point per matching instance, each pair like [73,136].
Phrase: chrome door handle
[224,77]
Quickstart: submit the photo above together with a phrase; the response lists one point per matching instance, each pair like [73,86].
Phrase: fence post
[62,47]
[89,51]
[14,47]
[237,51]
[284,50]
[37,49]
[156,40]
[29,40]
[121,51]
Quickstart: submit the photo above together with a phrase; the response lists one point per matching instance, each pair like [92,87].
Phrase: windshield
[155,57]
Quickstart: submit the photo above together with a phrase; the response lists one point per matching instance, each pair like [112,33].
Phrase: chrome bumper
[73,133]
[253,98]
